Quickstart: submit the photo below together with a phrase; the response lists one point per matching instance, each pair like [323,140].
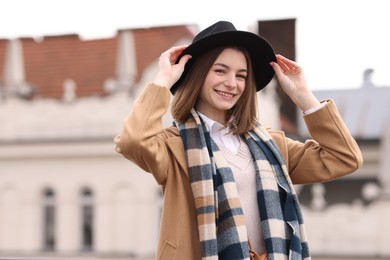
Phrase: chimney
[14,68]
[126,67]
[281,35]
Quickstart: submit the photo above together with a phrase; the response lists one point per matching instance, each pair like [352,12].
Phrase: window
[87,219]
[49,212]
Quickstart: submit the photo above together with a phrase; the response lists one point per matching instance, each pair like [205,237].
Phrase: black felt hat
[224,33]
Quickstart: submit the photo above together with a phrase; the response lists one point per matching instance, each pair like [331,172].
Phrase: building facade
[65,192]
[348,217]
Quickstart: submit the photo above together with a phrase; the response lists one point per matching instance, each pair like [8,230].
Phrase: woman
[227,180]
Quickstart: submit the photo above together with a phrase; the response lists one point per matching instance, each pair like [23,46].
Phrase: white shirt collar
[221,134]
[211,124]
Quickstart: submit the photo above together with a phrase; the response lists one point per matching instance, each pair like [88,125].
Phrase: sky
[336,40]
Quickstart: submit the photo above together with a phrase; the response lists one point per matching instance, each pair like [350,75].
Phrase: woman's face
[223,86]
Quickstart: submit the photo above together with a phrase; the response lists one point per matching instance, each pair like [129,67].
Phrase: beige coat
[160,151]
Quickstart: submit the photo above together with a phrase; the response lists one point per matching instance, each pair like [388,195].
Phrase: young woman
[227,180]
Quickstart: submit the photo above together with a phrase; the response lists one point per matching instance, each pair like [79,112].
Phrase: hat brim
[259,49]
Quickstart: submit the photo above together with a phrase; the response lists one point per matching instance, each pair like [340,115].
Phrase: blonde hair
[244,113]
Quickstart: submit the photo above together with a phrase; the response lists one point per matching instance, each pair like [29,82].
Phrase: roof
[365,110]
[49,62]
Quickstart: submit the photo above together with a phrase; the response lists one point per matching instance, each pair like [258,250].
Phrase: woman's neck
[219,118]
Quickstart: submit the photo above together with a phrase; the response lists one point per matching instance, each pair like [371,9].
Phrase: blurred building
[349,216]
[64,192]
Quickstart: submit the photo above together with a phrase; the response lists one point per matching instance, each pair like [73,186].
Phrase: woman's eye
[241,76]
[219,71]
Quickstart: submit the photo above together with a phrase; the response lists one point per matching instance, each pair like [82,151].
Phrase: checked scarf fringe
[221,223]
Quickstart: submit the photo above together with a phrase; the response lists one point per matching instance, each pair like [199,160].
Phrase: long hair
[244,113]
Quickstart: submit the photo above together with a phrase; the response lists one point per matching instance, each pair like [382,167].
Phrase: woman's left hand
[292,80]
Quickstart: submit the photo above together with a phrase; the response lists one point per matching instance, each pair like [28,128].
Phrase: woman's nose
[231,81]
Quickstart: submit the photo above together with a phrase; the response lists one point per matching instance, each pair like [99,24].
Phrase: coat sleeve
[141,138]
[331,153]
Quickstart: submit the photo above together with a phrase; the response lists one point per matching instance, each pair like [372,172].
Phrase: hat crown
[218,27]
[224,33]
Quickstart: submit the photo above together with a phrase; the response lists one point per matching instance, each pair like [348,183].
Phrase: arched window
[49,214]
[87,219]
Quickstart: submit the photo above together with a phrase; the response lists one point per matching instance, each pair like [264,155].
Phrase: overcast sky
[336,39]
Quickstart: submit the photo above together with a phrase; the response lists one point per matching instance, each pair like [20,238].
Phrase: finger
[282,65]
[180,47]
[184,59]
[278,70]
[175,49]
[289,63]
[173,53]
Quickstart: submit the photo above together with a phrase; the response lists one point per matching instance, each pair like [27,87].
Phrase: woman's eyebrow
[227,67]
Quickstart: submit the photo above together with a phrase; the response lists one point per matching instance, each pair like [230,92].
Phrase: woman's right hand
[292,80]
[169,71]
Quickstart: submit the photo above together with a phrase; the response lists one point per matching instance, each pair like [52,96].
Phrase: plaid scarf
[221,224]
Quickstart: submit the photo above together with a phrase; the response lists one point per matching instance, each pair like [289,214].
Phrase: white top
[239,157]
[220,134]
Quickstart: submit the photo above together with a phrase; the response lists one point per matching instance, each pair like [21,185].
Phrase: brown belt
[256,256]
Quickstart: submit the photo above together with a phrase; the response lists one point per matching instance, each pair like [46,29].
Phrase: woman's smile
[223,86]
[225,94]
